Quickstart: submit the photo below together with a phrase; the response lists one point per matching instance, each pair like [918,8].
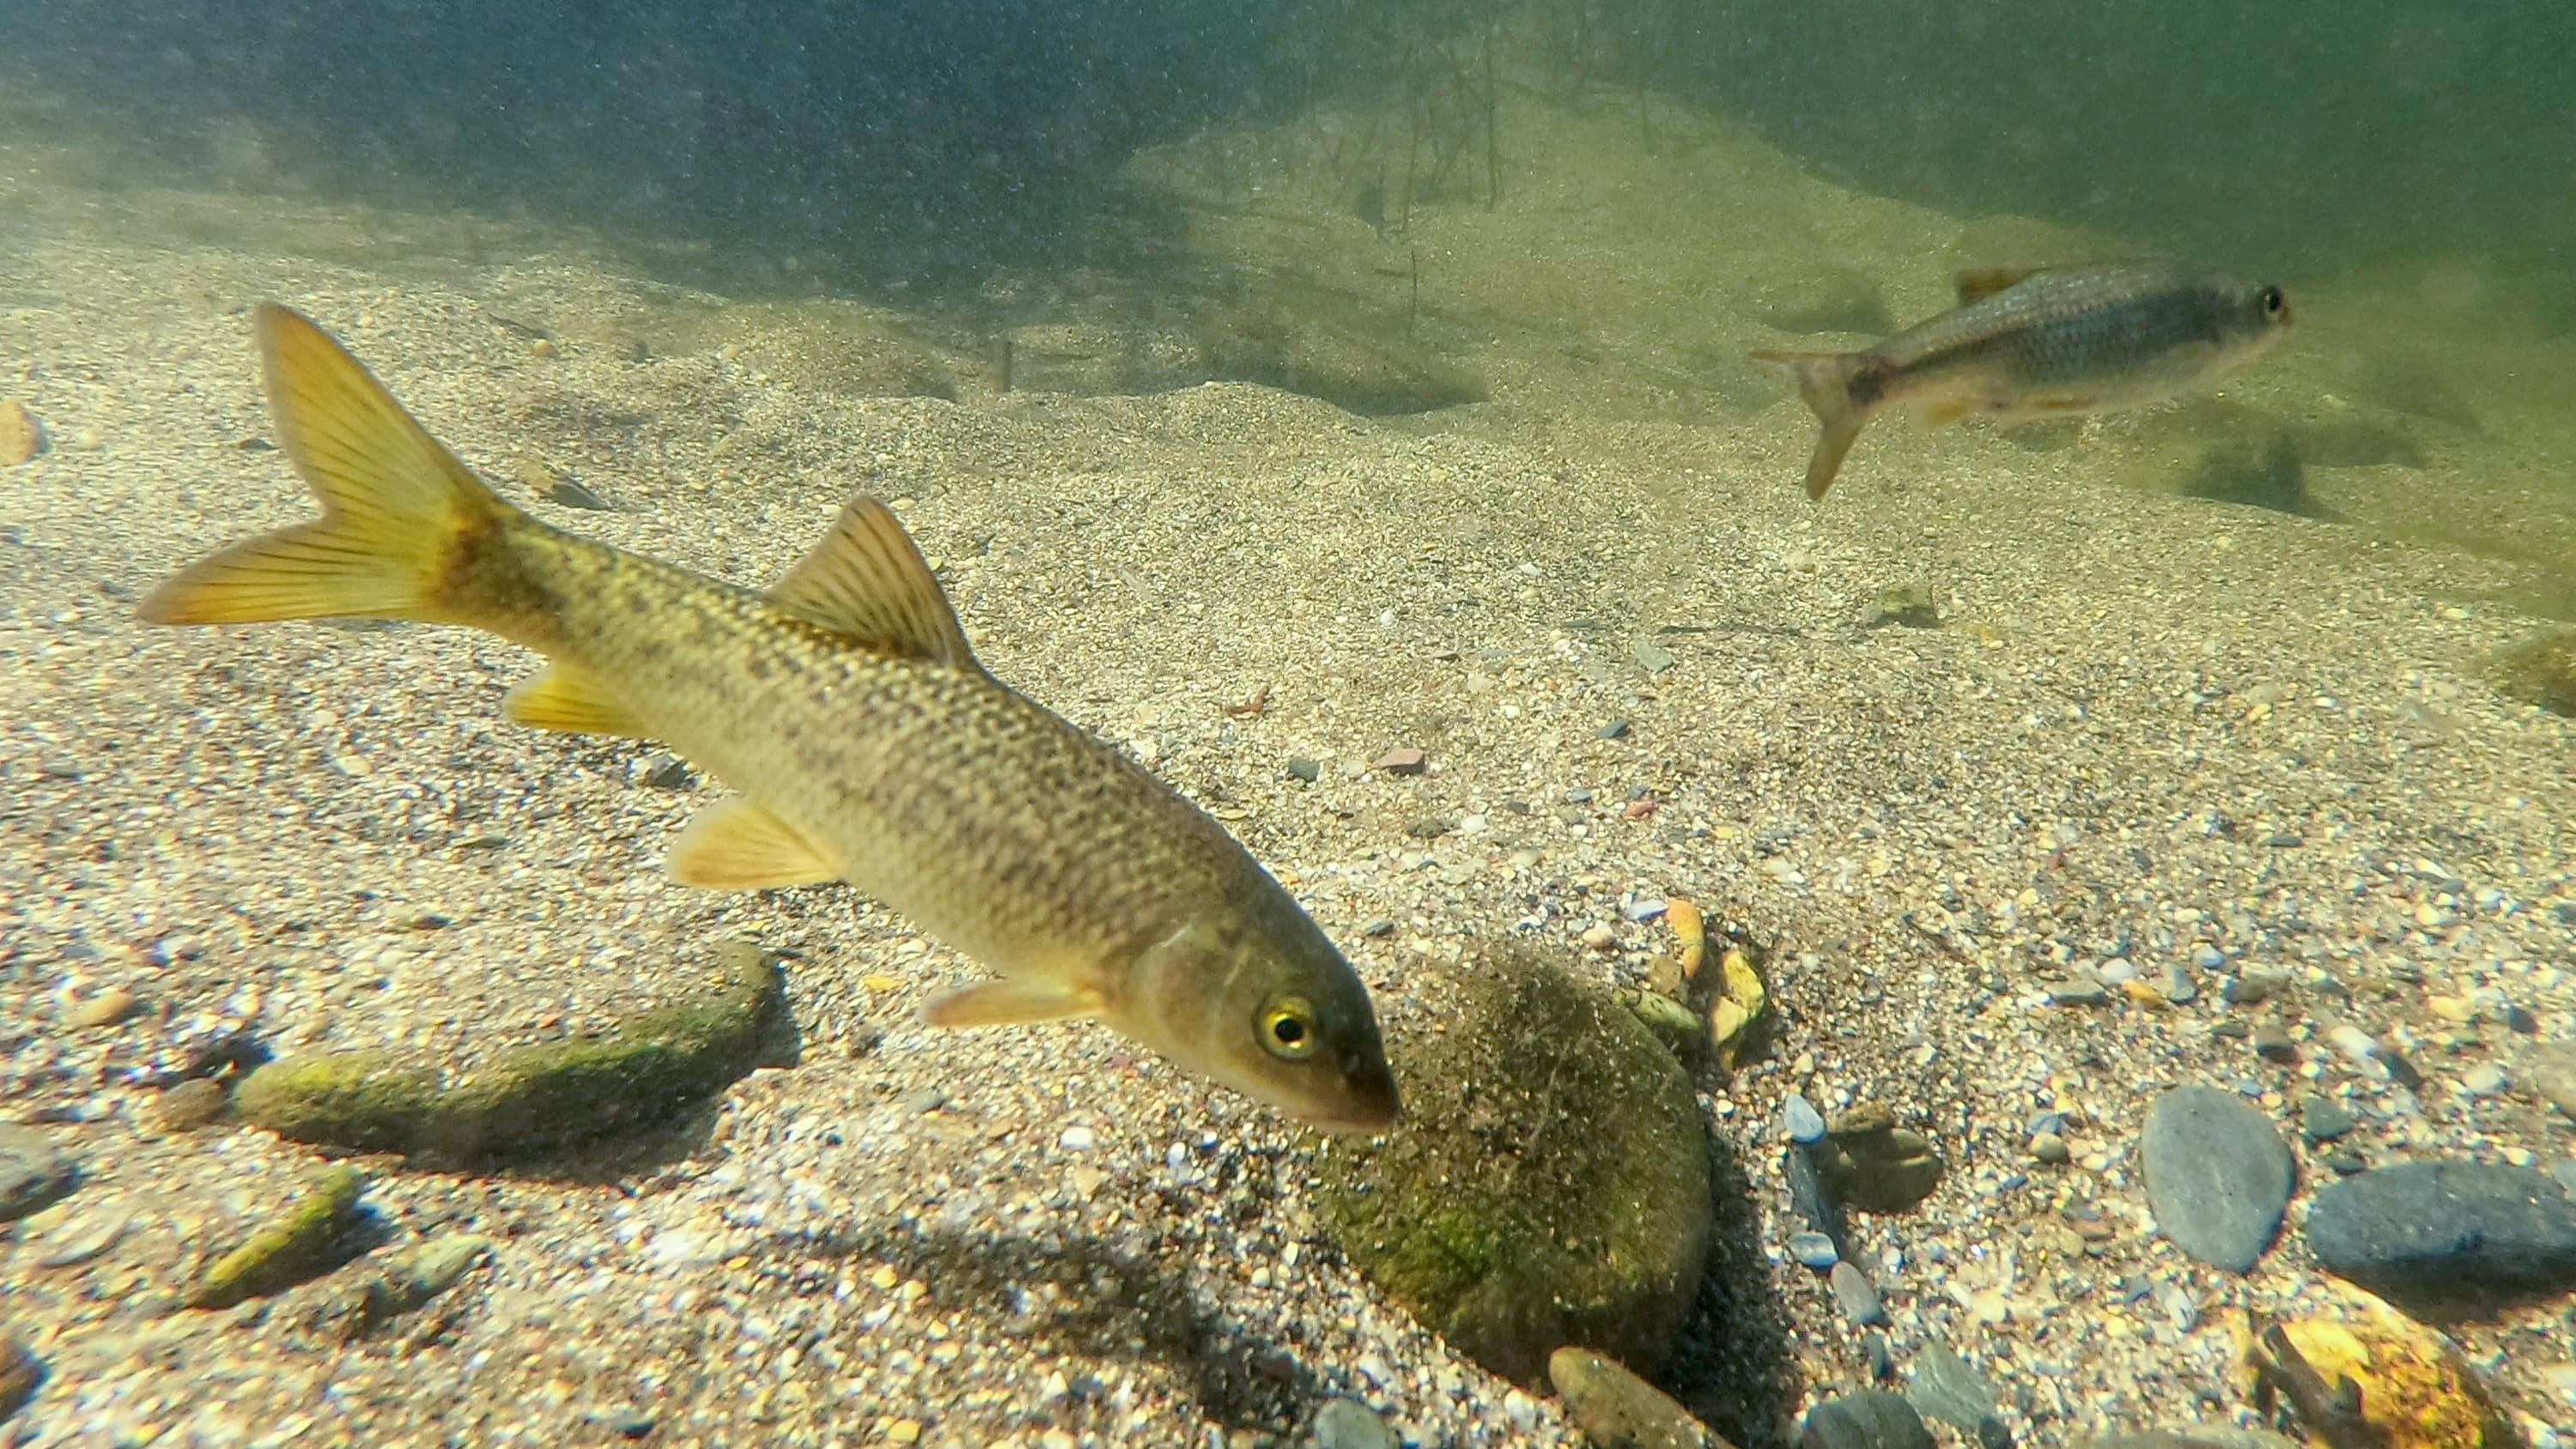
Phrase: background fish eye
[2274,304]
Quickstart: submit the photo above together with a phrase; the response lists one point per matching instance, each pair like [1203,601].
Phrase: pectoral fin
[559,697]
[738,845]
[1011,1001]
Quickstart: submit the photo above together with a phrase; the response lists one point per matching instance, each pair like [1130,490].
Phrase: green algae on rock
[1870,1163]
[1550,1183]
[290,1248]
[536,1099]
[1618,1410]
[412,1278]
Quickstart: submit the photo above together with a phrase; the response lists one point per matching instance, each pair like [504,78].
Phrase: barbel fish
[868,742]
[2038,344]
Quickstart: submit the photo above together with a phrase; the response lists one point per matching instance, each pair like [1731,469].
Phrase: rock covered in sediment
[21,436]
[2448,1238]
[536,1099]
[1870,1419]
[2219,1177]
[1551,1181]
[1618,1410]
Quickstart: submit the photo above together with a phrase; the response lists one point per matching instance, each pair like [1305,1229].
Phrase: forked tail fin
[1838,386]
[403,520]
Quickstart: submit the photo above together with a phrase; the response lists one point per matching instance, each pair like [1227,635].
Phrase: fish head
[1258,999]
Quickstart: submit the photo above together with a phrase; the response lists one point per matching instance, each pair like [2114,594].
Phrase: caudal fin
[1827,381]
[401,515]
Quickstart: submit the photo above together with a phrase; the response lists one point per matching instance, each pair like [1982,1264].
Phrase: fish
[2041,343]
[867,742]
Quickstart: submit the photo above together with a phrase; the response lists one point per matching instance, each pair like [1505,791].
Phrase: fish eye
[1288,1028]
[2274,304]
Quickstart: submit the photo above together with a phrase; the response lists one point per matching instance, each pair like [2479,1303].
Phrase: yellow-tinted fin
[1825,380]
[738,845]
[1011,1001]
[400,513]
[560,697]
[1943,410]
[866,580]
[1977,285]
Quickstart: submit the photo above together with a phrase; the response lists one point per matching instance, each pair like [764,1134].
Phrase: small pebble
[33,1172]
[2253,987]
[1612,1405]
[1947,1388]
[2050,1148]
[2273,1044]
[2084,991]
[1800,1119]
[2208,957]
[2323,1119]
[1302,768]
[1403,762]
[1077,1139]
[2218,1176]
[2179,986]
[1600,937]
[79,1240]
[2483,1080]
[1813,1249]
[1855,1295]
[1616,729]
[20,1376]
[21,436]
[1350,1424]
[191,1104]
[107,1008]
[924,1100]
[1870,1419]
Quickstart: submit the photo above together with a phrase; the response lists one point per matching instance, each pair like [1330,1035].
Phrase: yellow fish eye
[1288,1028]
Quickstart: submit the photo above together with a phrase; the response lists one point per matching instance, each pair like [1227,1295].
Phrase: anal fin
[738,845]
[560,697]
[1011,1001]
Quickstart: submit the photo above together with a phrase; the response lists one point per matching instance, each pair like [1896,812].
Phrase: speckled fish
[868,742]
[2038,344]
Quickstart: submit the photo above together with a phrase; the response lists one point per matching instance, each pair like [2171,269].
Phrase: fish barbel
[868,742]
[2037,344]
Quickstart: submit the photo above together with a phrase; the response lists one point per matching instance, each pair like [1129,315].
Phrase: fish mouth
[1369,1103]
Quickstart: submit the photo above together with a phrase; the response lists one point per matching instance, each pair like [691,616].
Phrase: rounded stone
[1551,1181]
[2219,1177]
[1870,1419]
[1350,1424]
[2448,1239]
[33,1172]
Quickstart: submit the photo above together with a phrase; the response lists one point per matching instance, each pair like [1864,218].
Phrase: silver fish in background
[868,742]
[2039,344]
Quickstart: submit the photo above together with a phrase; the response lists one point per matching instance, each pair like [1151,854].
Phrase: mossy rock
[2540,670]
[534,1100]
[297,1244]
[1550,1181]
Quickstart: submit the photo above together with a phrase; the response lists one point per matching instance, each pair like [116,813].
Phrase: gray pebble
[2483,1080]
[924,1100]
[1813,1249]
[1616,729]
[1855,1295]
[1302,768]
[1948,1389]
[2249,987]
[2179,986]
[666,772]
[2448,1236]
[1870,1419]
[2083,991]
[2208,957]
[1800,1119]
[2218,1176]
[2050,1148]
[32,1172]
[20,1376]
[2323,1119]
[1350,1424]
[2273,1044]
[2550,1068]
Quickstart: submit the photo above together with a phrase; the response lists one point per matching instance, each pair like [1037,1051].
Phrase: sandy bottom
[2149,724]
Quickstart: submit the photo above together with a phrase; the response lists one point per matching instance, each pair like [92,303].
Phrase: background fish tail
[1841,388]
[406,530]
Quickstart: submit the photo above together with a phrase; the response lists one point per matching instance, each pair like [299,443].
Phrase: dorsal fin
[866,580]
[1977,285]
